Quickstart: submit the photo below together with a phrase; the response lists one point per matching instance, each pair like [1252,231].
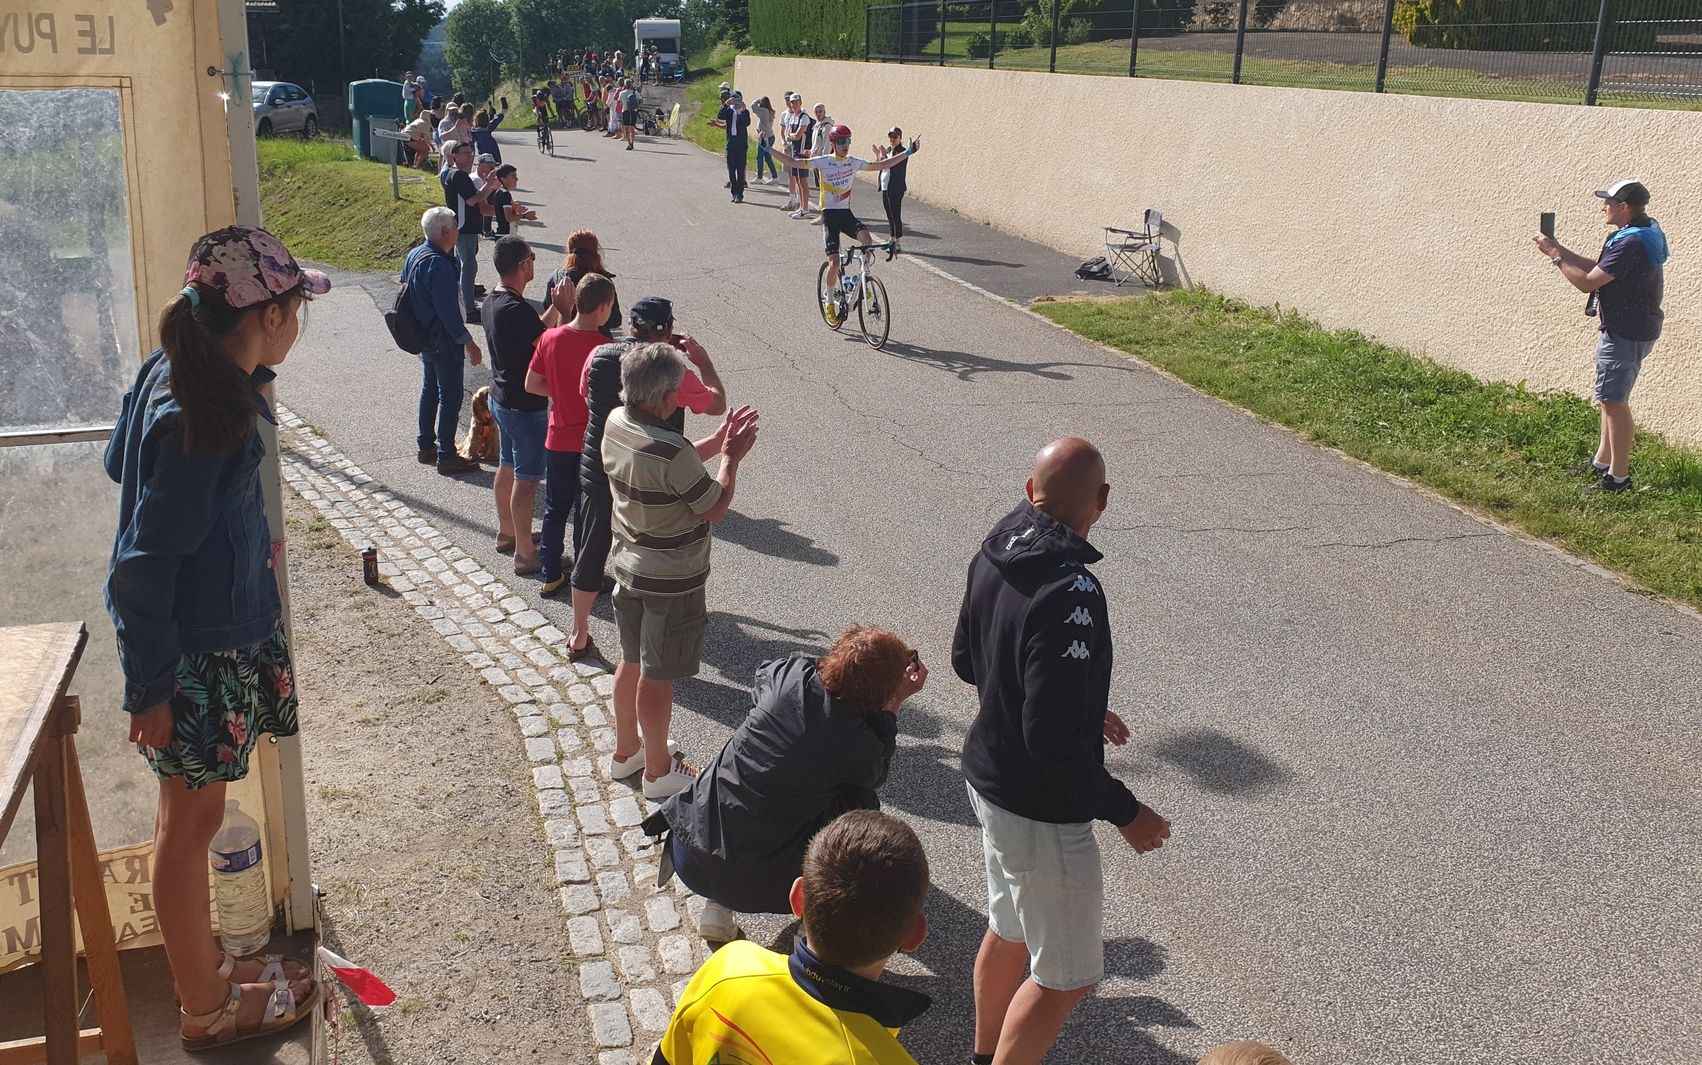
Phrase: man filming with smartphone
[1625,285]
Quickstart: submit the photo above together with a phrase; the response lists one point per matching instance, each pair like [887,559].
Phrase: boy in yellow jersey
[837,171]
[860,900]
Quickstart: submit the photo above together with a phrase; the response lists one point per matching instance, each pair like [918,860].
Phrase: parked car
[281,107]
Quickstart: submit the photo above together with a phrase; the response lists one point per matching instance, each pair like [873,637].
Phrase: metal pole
[1383,53]
[1240,41]
[1057,13]
[992,31]
[1134,37]
[942,33]
[1604,27]
[342,53]
[868,28]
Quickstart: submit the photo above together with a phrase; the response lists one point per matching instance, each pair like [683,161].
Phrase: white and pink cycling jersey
[837,178]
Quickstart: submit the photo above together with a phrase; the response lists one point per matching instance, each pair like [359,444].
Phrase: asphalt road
[1434,788]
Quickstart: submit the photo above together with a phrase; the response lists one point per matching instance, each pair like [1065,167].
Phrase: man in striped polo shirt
[664,502]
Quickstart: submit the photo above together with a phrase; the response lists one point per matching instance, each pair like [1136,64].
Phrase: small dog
[482,444]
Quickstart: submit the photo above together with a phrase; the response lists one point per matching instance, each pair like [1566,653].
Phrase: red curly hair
[864,667]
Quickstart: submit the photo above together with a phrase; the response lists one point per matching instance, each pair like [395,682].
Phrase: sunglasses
[915,660]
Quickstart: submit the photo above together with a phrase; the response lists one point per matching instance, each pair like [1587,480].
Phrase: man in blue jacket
[1625,285]
[432,276]
[1034,638]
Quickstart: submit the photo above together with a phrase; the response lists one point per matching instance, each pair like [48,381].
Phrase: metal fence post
[903,21]
[1240,41]
[868,30]
[992,31]
[942,33]
[1383,52]
[1134,37]
[1604,27]
[1057,13]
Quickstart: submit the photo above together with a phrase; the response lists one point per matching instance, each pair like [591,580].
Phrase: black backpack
[1097,268]
[405,326]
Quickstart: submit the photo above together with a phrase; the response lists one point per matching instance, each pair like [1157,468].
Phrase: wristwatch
[1557,260]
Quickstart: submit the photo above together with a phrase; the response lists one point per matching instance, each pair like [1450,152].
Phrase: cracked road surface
[1434,788]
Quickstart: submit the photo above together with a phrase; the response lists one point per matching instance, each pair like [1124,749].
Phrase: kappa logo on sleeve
[1076,650]
[1083,583]
[1080,617]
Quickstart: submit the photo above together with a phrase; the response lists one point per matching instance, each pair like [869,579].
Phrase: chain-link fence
[1643,53]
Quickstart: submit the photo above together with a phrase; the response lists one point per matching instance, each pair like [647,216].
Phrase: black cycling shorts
[837,220]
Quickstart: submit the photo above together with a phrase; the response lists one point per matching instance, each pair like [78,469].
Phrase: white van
[664,35]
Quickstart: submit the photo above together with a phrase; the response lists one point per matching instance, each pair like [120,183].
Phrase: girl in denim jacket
[193,597]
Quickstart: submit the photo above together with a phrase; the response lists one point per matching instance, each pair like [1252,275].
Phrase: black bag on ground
[405,327]
[1097,268]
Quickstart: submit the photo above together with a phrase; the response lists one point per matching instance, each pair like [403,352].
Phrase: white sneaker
[622,768]
[800,213]
[677,779]
[816,221]
[717,924]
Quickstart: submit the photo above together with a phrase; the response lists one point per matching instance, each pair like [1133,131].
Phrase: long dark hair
[216,396]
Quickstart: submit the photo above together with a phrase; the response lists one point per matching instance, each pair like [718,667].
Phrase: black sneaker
[1587,468]
[1609,483]
[428,456]
[450,467]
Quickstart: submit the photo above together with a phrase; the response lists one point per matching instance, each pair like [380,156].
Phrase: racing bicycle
[859,289]
[546,142]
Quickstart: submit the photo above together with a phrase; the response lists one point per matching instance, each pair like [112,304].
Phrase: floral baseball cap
[249,266]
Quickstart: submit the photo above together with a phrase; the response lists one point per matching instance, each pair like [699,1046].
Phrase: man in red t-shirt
[558,363]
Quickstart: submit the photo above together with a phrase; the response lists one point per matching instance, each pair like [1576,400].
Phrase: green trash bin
[373,100]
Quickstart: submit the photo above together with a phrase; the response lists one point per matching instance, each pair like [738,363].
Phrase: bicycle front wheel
[874,314]
[825,294]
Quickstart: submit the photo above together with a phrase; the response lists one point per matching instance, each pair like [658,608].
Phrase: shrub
[1079,31]
[1521,25]
[1018,36]
[977,46]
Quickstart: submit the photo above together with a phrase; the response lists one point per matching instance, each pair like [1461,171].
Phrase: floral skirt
[223,702]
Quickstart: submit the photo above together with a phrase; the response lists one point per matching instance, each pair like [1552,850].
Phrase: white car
[283,107]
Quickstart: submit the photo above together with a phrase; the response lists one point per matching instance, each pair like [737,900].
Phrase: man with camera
[1625,286]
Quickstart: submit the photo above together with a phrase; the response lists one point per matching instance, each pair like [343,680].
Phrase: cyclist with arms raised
[838,176]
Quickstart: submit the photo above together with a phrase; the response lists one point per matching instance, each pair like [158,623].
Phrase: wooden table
[38,725]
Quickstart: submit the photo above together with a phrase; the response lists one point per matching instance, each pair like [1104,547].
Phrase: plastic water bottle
[239,884]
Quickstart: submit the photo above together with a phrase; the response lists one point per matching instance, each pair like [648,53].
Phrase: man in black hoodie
[1034,638]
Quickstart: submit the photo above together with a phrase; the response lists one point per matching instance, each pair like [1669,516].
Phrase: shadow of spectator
[925,781]
[734,646]
[1219,762]
[770,536]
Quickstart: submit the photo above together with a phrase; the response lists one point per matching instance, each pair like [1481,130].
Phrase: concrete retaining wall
[1407,218]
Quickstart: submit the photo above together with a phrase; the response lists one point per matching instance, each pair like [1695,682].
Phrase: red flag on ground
[372,991]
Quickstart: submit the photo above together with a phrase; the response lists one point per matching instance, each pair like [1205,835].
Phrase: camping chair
[1134,252]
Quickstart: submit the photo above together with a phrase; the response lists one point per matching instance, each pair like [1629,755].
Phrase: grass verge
[707,71]
[1497,448]
[332,207]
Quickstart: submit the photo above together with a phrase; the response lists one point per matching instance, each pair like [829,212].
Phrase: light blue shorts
[522,440]
[1618,361]
[1046,890]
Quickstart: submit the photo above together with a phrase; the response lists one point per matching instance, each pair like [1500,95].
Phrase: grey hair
[649,372]
[436,222]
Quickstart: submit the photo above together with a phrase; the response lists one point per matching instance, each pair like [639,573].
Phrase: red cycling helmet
[839,132]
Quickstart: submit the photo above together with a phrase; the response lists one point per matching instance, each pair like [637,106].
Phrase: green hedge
[1522,25]
[832,29]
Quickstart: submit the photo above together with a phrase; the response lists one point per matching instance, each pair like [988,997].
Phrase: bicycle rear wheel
[874,314]
[823,294]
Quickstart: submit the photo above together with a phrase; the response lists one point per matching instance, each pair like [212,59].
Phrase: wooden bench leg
[95,918]
[53,889]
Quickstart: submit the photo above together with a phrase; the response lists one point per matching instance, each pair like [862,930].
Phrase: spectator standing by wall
[431,274]
[195,602]
[1625,283]
[735,119]
[512,329]
[795,131]
[1034,638]
[820,144]
[894,183]
[664,503]
[763,112]
[463,197]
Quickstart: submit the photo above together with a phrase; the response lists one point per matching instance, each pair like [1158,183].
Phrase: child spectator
[860,901]
[504,210]
[1244,1052]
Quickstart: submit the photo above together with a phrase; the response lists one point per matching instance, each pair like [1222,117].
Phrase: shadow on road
[770,536]
[969,259]
[967,367]
[1219,762]
[734,645]
[925,781]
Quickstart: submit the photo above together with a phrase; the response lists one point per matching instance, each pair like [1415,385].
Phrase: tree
[478,40]
[301,42]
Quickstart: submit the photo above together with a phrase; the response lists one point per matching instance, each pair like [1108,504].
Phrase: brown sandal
[283,1010]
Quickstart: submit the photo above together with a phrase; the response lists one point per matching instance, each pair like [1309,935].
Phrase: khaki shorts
[662,633]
